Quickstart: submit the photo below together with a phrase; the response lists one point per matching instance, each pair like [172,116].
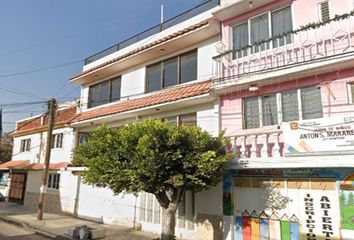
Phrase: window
[150,210]
[351,92]
[173,71]
[53,180]
[296,104]
[189,120]
[25,145]
[186,211]
[324,11]
[105,92]
[4,178]
[83,138]
[57,140]
[262,27]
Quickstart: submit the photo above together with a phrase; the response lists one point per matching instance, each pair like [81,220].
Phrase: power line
[39,69]
[20,104]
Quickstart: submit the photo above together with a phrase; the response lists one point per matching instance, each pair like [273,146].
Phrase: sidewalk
[56,226]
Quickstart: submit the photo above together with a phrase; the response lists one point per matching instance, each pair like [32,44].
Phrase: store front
[292,204]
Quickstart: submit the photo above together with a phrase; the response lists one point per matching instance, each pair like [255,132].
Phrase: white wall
[37,152]
[206,52]
[133,82]
[63,154]
[33,155]
[99,204]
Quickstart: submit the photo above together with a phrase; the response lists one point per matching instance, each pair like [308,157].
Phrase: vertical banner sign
[320,215]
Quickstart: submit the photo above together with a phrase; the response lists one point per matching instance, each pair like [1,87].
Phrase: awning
[26,165]
[18,164]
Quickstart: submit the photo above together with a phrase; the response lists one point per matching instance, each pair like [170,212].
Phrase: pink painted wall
[338,104]
[303,12]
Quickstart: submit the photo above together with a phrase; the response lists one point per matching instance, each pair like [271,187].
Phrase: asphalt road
[12,232]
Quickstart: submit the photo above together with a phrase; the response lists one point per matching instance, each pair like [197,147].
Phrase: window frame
[53,181]
[110,99]
[270,33]
[319,5]
[55,144]
[350,92]
[279,105]
[25,145]
[162,63]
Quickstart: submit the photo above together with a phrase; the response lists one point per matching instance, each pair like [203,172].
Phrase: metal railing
[209,4]
[303,46]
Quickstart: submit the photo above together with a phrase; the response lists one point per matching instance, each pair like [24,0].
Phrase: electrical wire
[39,69]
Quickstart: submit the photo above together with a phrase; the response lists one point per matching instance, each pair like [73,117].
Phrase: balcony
[312,143]
[206,5]
[321,46]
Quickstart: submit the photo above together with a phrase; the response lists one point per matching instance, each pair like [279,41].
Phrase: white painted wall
[63,154]
[133,82]
[208,118]
[32,155]
[206,52]
[99,204]
[37,152]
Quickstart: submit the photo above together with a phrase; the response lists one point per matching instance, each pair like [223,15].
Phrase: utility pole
[51,119]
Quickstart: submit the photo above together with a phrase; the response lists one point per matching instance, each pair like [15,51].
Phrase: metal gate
[17,187]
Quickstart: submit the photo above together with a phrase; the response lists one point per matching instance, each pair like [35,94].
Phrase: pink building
[285,78]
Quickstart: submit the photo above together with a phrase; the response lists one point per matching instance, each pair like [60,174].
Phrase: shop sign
[319,135]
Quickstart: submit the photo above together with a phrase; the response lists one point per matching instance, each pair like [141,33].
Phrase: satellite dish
[220,47]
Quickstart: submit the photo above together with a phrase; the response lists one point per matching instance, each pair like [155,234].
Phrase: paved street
[12,232]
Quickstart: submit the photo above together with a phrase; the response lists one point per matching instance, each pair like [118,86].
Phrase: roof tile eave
[176,94]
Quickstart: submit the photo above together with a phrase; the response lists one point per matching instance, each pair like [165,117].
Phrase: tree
[156,157]
[6,148]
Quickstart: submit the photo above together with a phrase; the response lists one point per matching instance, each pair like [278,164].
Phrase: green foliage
[152,156]
[6,148]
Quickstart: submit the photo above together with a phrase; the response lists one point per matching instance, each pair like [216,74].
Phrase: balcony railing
[316,42]
[209,4]
[258,145]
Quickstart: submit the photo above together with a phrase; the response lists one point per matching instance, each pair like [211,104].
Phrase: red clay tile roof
[169,95]
[34,125]
[147,46]
[14,164]
[24,164]
[52,166]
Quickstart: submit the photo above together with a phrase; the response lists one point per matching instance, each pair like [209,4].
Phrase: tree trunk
[168,222]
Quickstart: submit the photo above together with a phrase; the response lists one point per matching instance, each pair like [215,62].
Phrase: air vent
[324,10]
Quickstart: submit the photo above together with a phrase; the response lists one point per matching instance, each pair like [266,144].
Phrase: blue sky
[40,34]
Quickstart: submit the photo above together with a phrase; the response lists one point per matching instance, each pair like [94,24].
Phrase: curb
[34,229]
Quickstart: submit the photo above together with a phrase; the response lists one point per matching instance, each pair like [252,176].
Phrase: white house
[22,175]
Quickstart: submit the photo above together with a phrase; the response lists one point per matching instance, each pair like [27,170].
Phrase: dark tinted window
[170,72]
[115,89]
[189,67]
[105,92]
[154,77]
